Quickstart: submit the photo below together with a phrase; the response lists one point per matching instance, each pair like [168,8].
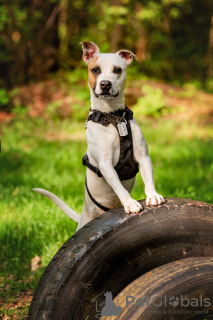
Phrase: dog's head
[107,71]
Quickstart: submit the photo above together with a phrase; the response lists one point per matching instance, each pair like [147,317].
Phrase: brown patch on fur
[92,77]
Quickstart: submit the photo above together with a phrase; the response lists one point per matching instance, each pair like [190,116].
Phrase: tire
[114,249]
[178,290]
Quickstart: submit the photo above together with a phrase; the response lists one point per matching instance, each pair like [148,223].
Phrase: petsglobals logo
[108,306]
[105,306]
[159,301]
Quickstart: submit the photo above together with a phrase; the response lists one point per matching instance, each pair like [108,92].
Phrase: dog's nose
[105,85]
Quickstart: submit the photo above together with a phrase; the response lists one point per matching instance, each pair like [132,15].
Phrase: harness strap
[126,168]
[85,162]
[105,118]
[95,202]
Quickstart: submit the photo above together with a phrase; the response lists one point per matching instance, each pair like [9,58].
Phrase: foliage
[170,37]
[151,104]
[4,99]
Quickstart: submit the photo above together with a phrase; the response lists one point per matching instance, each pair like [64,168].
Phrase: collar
[125,113]
[121,115]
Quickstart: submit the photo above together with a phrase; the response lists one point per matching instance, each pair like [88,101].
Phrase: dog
[116,145]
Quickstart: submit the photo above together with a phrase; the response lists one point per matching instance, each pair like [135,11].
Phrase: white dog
[116,145]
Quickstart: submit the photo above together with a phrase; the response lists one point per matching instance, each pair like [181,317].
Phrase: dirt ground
[17,308]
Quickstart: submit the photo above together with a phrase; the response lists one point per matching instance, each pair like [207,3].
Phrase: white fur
[104,149]
[69,212]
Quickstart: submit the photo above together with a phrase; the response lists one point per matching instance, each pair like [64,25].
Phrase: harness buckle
[84,159]
[85,162]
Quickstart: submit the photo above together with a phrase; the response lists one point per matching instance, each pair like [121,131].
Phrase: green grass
[48,154]
[30,224]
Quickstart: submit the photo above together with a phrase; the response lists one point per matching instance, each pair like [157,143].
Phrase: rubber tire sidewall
[113,250]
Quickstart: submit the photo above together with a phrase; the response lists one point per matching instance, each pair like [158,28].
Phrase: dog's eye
[96,70]
[117,70]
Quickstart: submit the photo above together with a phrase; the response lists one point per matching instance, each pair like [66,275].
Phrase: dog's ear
[127,55]
[90,50]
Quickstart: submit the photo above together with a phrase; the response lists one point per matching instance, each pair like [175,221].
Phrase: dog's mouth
[105,94]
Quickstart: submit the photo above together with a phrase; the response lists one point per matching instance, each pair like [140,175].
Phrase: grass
[47,154]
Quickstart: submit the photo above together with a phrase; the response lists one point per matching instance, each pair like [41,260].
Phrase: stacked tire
[166,250]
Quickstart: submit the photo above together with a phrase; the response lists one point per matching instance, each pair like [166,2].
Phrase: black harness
[127,167]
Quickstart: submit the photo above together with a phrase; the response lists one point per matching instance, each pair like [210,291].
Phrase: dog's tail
[69,212]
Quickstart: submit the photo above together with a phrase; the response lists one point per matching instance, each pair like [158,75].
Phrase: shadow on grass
[14,163]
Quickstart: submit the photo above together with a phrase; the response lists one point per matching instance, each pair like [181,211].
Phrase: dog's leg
[84,218]
[146,168]
[102,145]
[110,175]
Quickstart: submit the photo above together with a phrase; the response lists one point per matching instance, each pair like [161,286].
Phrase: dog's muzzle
[106,88]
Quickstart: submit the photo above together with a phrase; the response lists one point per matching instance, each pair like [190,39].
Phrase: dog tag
[122,129]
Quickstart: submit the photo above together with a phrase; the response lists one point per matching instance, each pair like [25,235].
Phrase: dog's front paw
[132,206]
[154,199]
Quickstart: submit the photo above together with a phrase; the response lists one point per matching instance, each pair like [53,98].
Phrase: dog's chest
[103,141]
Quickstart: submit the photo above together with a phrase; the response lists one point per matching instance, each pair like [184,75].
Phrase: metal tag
[122,129]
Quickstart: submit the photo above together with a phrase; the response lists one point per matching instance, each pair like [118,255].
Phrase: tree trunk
[62,29]
[209,56]
[117,32]
[141,42]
